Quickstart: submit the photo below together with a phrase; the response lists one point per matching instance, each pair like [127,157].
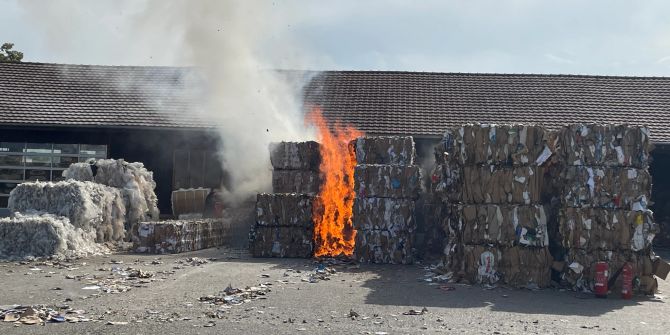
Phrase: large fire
[334,233]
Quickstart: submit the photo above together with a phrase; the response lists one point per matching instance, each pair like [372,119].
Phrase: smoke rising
[235,47]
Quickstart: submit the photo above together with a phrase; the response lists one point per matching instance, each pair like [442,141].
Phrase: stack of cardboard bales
[489,178]
[387,184]
[604,214]
[284,226]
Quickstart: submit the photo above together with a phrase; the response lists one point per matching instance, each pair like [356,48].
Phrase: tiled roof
[86,95]
[422,103]
[377,102]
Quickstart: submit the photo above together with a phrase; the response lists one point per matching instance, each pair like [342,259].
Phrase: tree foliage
[7,55]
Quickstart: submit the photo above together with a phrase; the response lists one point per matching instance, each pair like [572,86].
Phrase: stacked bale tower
[490,178]
[605,191]
[387,184]
[284,225]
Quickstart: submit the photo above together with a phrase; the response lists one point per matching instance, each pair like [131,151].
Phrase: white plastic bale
[92,207]
[45,235]
[79,171]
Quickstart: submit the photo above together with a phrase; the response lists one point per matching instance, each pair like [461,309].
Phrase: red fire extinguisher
[627,276]
[600,279]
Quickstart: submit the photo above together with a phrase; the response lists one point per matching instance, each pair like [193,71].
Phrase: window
[20,161]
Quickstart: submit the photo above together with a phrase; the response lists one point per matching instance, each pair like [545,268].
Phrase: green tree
[7,55]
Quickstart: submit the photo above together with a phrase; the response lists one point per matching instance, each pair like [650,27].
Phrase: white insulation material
[135,182]
[95,208]
[45,235]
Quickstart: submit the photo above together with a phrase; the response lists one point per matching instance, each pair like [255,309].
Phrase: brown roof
[377,102]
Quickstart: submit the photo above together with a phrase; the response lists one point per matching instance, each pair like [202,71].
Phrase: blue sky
[577,37]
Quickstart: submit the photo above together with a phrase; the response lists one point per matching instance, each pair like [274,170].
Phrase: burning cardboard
[390,150]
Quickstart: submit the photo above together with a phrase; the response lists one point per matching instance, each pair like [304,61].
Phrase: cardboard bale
[387,181]
[284,209]
[295,155]
[492,184]
[605,144]
[501,225]
[393,150]
[606,229]
[580,266]
[612,187]
[395,215]
[296,181]
[44,235]
[491,144]
[90,206]
[283,242]
[519,267]
[383,247]
[446,181]
[176,236]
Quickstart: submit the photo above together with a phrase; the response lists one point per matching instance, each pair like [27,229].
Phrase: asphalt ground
[365,299]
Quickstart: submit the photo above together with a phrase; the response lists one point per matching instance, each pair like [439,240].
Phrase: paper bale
[612,187]
[395,215]
[283,242]
[285,210]
[295,155]
[296,181]
[393,150]
[605,144]
[383,247]
[387,181]
[176,236]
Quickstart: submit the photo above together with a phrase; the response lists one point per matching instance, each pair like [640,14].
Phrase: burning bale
[175,236]
[95,208]
[284,226]
[44,235]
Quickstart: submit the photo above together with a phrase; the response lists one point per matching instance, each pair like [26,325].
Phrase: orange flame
[333,229]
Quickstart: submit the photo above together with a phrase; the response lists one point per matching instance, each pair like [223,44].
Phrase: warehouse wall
[154,148]
[660,193]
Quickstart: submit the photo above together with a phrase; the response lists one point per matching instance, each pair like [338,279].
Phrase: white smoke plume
[236,46]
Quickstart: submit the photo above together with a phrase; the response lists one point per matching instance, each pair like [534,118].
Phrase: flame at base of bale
[334,234]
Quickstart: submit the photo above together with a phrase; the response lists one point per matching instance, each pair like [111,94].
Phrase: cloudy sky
[578,37]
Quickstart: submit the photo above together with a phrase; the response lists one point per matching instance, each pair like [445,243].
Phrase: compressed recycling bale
[283,242]
[394,150]
[514,266]
[605,144]
[175,236]
[606,229]
[396,215]
[580,267]
[79,171]
[502,225]
[93,207]
[295,155]
[491,144]
[613,187]
[134,181]
[383,247]
[502,185]
[44,235]
[387,181]
[284,209]
[446,181]
[296,181]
